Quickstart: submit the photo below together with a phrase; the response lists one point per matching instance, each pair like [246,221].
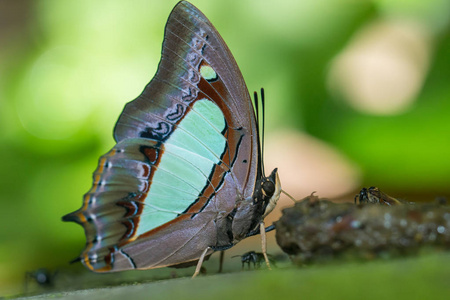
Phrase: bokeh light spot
[51,103]
[382,70]
[307,164]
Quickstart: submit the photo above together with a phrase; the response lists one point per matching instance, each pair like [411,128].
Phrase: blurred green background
[369,79]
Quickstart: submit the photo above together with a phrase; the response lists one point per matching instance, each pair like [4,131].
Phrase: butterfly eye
[269,188]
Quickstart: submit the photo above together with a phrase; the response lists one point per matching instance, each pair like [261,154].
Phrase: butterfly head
[270,190]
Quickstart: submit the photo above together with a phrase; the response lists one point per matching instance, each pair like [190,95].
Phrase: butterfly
[186,176]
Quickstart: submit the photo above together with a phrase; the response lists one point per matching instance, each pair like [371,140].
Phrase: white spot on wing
[208,72]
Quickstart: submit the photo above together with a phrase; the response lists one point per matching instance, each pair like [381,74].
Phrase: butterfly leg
[262,230]
[222,255]
[200,262]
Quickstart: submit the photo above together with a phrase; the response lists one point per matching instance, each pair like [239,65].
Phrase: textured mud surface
[316,229]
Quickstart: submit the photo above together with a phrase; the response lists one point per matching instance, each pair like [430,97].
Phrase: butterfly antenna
[263,121]
[260,123]
[255,100]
